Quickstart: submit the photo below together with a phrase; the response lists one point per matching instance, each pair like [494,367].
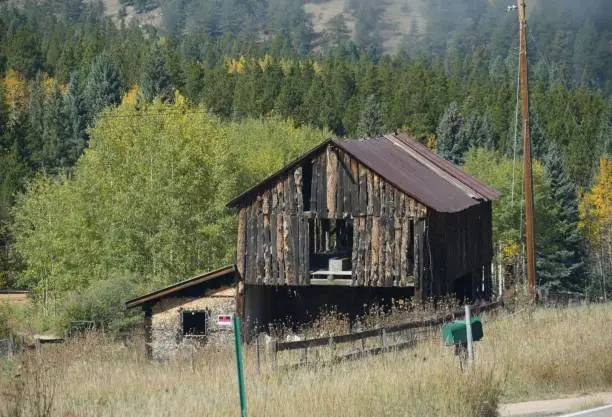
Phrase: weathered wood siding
[459,244]
[277,235]
[277,231]
[342,187]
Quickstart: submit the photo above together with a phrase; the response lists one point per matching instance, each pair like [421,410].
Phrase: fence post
[257,353]
[468,330]
[274,353]
[239,366]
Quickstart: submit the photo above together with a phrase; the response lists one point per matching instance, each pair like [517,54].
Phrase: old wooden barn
[356,221]
[349,224]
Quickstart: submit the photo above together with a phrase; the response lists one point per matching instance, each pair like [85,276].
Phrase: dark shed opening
[194,323]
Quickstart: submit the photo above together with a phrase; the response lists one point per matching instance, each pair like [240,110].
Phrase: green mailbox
[455,333]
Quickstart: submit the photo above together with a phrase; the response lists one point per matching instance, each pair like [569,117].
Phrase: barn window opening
[331,245]
[194,322]
[307,185]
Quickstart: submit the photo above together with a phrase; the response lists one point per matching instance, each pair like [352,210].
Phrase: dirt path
[555,407]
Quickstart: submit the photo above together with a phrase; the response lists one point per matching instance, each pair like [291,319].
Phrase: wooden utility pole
[527,174]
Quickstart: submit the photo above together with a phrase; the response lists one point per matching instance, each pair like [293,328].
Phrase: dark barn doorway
[297,306]
[463,288]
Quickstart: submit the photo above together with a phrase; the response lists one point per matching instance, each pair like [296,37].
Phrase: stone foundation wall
[167,340]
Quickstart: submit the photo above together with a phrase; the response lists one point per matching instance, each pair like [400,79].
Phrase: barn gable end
[386,211]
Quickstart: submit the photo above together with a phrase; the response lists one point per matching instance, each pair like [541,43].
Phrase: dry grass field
[526,355]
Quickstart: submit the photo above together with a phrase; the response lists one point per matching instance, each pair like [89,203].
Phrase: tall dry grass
[524,355]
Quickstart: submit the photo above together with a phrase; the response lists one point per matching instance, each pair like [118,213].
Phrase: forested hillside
[120,141]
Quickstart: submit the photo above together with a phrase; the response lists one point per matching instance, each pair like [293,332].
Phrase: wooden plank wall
[383,218]
[342,187]
[396,240]
[277,235]
[460,243]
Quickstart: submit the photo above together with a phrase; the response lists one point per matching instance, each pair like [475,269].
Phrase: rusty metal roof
[210,278]
[410,167]
[418,172]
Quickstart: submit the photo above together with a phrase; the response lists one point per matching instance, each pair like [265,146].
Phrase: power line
[147,114]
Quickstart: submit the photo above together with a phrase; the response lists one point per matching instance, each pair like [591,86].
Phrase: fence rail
[381,332]
[394,328]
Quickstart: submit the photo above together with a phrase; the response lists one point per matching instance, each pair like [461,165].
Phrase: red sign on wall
[224,320]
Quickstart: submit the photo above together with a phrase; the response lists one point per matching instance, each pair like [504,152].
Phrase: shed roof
[13,291]
[212,279]
[409,166]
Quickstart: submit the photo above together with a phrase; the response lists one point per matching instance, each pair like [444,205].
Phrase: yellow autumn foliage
[266,62]
[242,65]
[511,251]
[48,84]
[131,97]
[236,66]
[286,65]
[595,209]
[431,142]
[15,90]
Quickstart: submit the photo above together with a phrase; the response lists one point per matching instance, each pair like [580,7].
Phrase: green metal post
[239,366]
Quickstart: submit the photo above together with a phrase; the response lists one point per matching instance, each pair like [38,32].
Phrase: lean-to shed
[189,313]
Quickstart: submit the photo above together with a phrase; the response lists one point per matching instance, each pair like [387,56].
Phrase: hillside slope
[401,19]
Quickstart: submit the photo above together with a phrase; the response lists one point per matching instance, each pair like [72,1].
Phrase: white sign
[225,320]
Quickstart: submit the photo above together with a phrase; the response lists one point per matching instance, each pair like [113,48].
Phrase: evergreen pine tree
[269,84]
[22,51]
[477,130]
[156,80]
[52,131]
[336,33]
[4,118]
[321,108]
[246,101]
[451,140]
[75,113]
[13,175]
[371,121]
[35,126]
[173,64]
[539,141]
[218,92]
[562,266]
[605,131]
[231,14]
[194,81]
[291,95]
[104,86]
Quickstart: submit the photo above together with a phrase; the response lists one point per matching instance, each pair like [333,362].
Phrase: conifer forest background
[126,126]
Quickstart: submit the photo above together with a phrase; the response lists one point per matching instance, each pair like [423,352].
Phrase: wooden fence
[421,329]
